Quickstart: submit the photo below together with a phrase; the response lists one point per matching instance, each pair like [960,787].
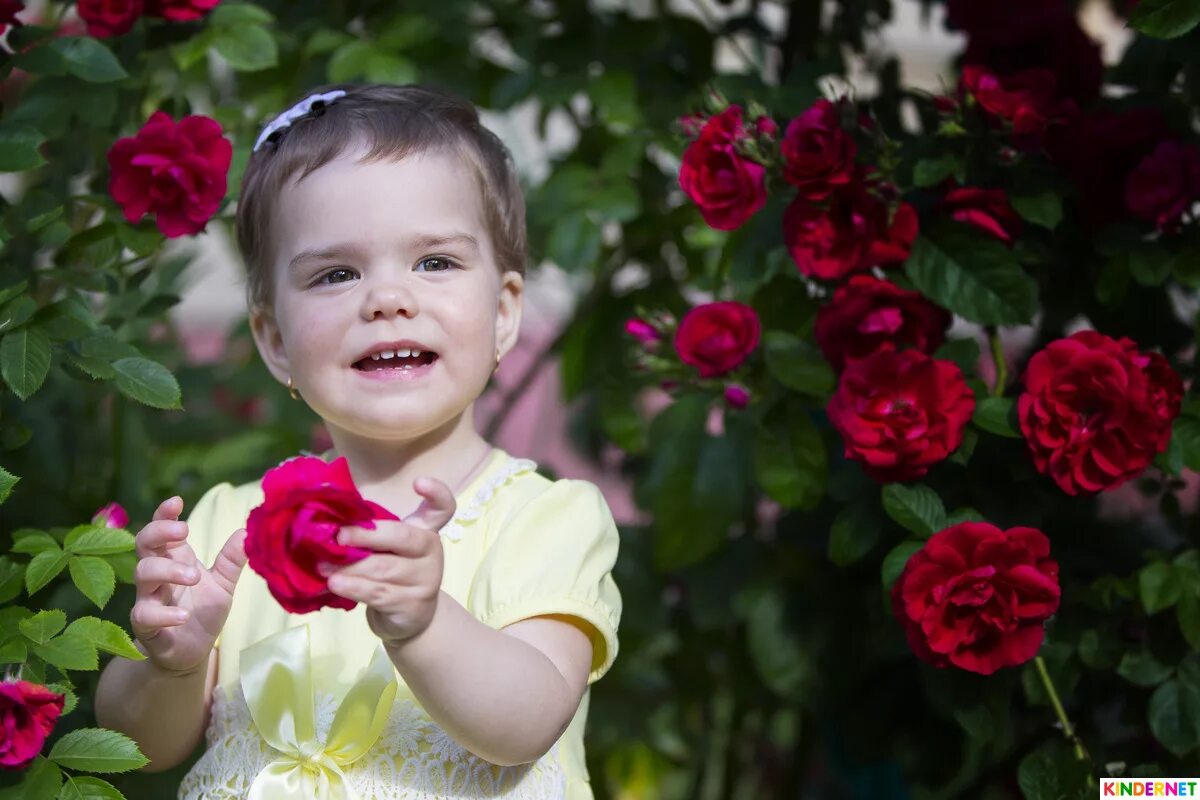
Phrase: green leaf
[247,48]
[147,382]
[87,787]
[14,651]
[963,352]
[797,364]
[1188,614]
[790,462]
[94,578]
[786,666]
[1140,667]
[1170,720]
[92,540]
[95,367]
[894,561]
[16,313]
[574,242]
[1043,209]
[961,515]
[14,290]
[190,51]
[1165,19]
[68,652]
[855,531]
[230,15]
[7,482]
[40,782]
[86,58]
[106,636]
[917,508]
[30,542]
[44,568]
[1052,772]
[12,578]
[1187,431]
[615,95]
[19,149]
[1160,586]
[43,625]
[997,415]
[932,171]
[97,750]
[973,276]
[25,360]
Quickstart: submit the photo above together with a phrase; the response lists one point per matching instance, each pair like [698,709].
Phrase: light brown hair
[391,122]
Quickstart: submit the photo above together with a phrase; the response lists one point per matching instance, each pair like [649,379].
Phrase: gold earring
[292,389]
[497,361]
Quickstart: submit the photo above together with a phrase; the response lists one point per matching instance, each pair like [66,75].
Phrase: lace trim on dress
[473,508]
[414,759]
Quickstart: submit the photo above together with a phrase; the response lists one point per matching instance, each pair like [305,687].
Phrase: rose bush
[294,531]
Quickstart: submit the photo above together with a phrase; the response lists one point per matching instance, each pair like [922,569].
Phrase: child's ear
[269,342]
[508,313]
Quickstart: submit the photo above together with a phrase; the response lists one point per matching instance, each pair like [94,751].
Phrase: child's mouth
[395,363]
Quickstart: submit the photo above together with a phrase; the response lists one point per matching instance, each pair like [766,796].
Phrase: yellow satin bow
[277,682]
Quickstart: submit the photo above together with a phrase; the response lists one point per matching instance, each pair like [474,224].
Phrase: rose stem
[999,361]
[1068,730]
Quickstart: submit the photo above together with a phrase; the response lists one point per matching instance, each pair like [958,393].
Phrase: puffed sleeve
[209,518]
[555,555]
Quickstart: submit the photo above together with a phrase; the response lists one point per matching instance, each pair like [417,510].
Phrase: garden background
[849,519]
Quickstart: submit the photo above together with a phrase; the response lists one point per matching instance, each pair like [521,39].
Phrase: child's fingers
[153,572]
[154,538]
[149,617]
[436,509]
[169,508]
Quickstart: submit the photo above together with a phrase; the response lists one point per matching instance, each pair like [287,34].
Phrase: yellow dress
[519,546]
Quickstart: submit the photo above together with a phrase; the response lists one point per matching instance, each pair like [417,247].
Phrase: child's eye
[446,263]
[333,272]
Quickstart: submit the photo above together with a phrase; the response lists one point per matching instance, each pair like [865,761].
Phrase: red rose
[180,10]
[1099,150]
[867,314]
[175,171]
[109,17]
[1026,99]
[899,413]
[28,713]
[1095,411]
[1010,36]
[986,209]
[852,233]
[818,155]
[1165,184]
[8,14]
[977,597]
[727,188]
[717,337]
[294,531]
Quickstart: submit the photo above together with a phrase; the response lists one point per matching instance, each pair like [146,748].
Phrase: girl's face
[372,255]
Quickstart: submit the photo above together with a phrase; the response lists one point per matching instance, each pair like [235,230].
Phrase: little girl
[384,235]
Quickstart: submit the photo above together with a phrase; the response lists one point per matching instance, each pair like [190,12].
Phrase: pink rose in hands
[28,713]
[294,531]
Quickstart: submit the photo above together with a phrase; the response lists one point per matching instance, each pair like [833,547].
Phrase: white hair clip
[303,108]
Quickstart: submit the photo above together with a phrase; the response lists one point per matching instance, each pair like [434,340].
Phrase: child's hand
[181,605]
[401,583]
